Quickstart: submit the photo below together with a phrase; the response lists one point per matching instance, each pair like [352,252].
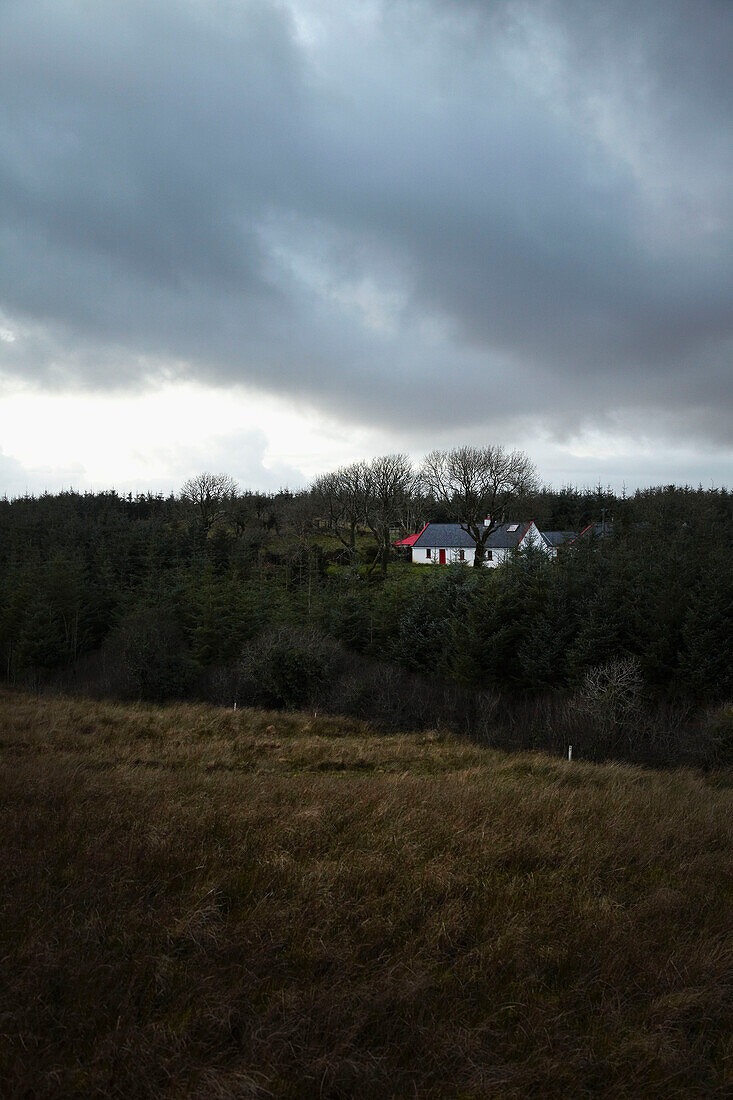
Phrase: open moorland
[215,903]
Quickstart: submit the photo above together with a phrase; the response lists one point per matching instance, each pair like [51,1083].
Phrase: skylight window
[513,526]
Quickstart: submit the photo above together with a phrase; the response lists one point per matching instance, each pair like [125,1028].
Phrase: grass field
[207,903]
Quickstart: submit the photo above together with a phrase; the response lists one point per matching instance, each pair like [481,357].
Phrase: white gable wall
[534,538]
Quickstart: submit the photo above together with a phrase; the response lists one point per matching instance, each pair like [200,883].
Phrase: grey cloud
[241,454]
[540,192]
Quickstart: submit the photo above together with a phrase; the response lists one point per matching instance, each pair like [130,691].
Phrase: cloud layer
[444,214]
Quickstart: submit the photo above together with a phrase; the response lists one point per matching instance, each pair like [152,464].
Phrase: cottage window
[428,553]
[489,555]
[461,555]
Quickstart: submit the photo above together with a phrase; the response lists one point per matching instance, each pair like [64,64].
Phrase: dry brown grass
[198,902]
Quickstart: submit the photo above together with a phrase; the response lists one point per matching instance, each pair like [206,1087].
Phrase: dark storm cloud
[435,213]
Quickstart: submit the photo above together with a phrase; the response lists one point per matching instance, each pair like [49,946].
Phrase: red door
[441,557]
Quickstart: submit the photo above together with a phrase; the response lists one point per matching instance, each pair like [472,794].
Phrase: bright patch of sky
[155,440]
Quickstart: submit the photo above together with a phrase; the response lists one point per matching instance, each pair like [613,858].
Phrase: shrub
[611,691]
[285,668]
[609,705]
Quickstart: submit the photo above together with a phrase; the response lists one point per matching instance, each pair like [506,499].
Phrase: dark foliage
[138,597]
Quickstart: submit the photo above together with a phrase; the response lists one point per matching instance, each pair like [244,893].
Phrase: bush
[285,668]
[611,692]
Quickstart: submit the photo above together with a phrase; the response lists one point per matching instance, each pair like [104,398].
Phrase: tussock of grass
[198,902]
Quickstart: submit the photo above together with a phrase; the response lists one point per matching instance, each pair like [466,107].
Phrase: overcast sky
[272,237]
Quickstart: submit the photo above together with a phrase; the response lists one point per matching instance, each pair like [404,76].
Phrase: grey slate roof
[444,534]
[504,539]
[452,534]
[557,538]
[597,530]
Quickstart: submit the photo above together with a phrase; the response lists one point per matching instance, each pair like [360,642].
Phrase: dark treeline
[286,600]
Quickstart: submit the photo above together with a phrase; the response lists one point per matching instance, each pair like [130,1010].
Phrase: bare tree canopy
[390,486]
[341,498]
[476,485]
[378,493]
[209,492]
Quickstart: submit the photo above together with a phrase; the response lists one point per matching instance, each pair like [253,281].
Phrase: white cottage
[447,543]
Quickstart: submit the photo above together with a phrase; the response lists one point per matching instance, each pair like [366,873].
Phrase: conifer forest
[621,645]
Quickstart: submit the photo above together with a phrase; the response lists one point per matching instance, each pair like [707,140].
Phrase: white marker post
[570,752]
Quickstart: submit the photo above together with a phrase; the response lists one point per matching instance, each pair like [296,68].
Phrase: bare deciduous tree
[611,696]
[209,493]
[476,484]
[341,497]
[251,512]
[390,483]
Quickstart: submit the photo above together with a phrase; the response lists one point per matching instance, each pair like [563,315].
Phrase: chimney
[487,521]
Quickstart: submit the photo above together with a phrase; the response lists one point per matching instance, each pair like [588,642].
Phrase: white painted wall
[497,557]
[452,555]
[534,538]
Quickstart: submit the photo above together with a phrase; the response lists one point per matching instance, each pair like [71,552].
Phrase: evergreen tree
[706,657]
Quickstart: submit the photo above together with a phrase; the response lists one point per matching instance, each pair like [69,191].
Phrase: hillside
[200,902]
